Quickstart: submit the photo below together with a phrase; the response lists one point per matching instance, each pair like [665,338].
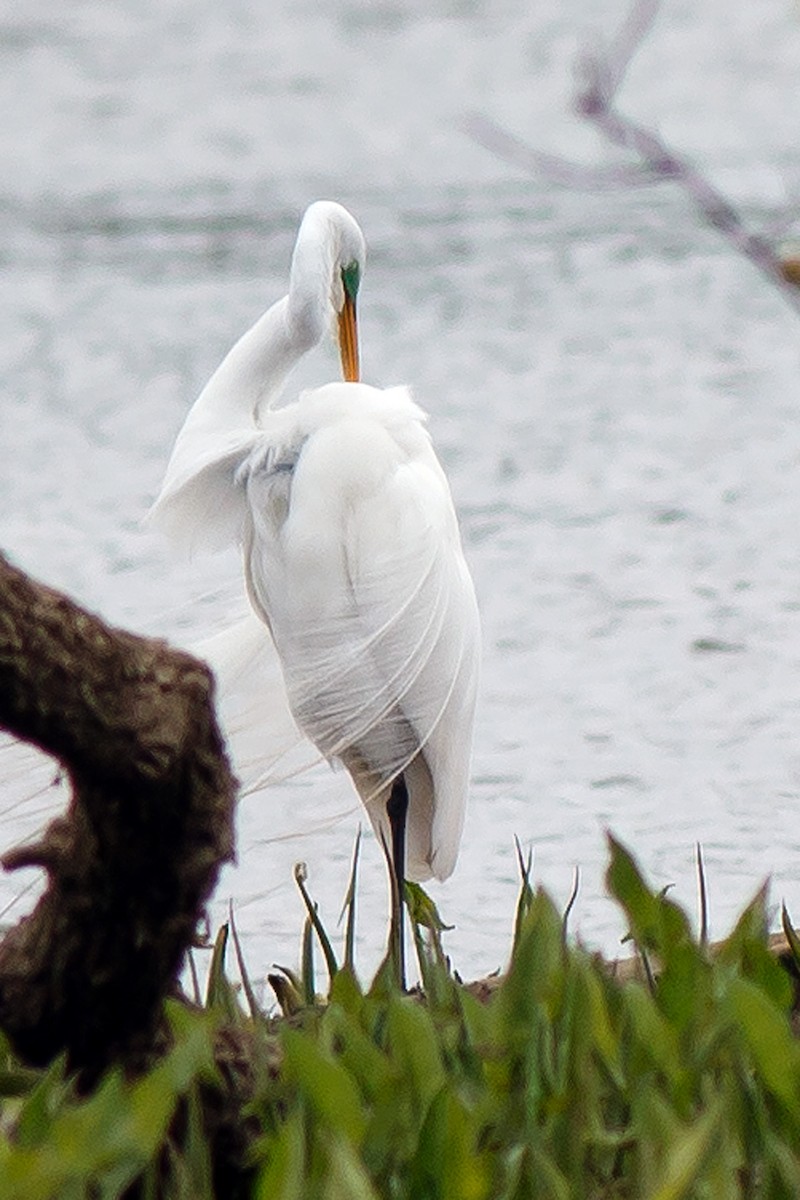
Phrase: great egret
[352,555]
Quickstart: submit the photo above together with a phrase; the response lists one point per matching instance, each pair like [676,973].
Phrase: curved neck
[252,373]
[310,305]
[250,377]
[199,501]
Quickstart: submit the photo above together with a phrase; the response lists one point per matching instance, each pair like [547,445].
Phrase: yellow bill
[348,340]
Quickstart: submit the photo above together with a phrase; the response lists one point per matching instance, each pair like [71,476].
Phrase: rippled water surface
[614,395]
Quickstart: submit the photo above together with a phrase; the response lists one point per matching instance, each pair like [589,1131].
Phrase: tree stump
[133,860]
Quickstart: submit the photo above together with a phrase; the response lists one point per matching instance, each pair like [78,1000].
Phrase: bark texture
[135,857]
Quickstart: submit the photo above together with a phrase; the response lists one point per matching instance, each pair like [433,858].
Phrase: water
[613,393]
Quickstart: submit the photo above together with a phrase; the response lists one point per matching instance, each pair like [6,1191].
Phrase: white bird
[352,556]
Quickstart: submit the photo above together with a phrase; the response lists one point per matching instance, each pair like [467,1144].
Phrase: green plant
[561,1081]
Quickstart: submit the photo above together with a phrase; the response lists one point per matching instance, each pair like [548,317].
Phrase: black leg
[397,811]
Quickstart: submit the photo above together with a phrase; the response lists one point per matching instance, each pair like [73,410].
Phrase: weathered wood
[133,860]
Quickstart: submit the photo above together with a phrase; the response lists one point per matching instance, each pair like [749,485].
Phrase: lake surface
[613,392]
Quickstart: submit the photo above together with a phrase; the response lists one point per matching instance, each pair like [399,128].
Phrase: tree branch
[600,77]
[134,859]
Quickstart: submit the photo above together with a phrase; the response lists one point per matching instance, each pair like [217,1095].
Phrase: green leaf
[309,980]
[747,950]
[288,991]
[37,1113]
[253,1005]
[768,1035]
[448,1165]
[349,907]
[437,982]
[657,925]
[525,897]
[346,991]
[535,973]
[686,1158]
[324,1085]
[603,1034]
[684,984]
[17,1080]
[345,1176]
[649,1032]
[111,1135]
[783,1158]
[422,908]
[792,939]
[372,1071]
[314,918]
[220,993]
[197,1150]
[550,1181]
[414,1045]
[283,1175]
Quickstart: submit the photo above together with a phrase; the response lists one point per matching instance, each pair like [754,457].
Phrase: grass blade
[255,1009]
[220,992]
[197,994]
[703,896]
[309,983]
[349,907]
[396,954]
[288,991]
[573,896]
[300,876]
[791,936]
[525,898]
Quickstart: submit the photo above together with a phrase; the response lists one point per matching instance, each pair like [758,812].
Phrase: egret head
[330,254]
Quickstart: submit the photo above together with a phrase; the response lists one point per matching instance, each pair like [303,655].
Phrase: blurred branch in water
[513,150]
[600,75]
[133,860]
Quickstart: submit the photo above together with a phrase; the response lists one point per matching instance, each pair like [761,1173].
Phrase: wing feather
[201,506]
[374,616]
[365,645]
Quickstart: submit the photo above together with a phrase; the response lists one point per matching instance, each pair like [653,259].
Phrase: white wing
[354,565]
[200,505]
[355,561]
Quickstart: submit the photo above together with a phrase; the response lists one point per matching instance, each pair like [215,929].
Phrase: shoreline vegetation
[675,1073]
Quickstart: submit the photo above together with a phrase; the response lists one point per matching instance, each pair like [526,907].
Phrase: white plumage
[352,556]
